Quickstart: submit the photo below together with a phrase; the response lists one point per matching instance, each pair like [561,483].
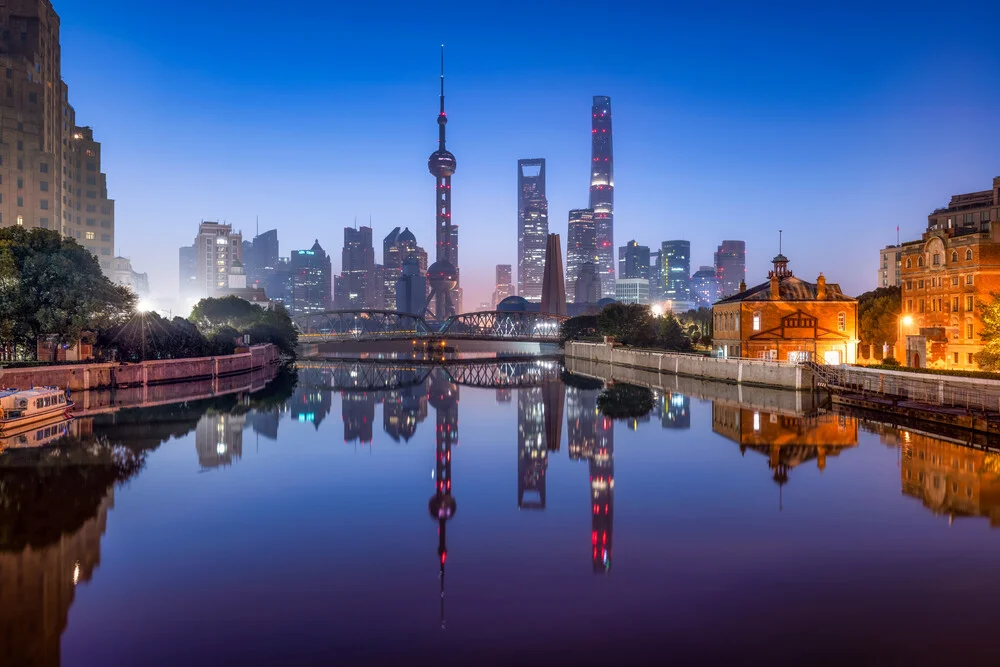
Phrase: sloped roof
[791,288]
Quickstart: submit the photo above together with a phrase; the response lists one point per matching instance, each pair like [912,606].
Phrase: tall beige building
[50,168]
[217,252]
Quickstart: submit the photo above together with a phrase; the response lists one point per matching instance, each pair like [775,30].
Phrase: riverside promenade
[83,377]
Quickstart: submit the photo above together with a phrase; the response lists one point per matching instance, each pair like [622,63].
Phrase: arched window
[909,263]
[968,254]
[954,255]
[756,321]
[920,261]
[841,321]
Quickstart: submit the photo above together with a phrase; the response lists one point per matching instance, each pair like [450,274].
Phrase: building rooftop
[791,288]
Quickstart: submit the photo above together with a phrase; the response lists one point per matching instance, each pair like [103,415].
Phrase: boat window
[48,401]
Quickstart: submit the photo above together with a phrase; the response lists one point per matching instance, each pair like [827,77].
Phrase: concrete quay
[82,377]
[750,372]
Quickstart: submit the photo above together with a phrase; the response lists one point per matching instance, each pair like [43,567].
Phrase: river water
[496,514]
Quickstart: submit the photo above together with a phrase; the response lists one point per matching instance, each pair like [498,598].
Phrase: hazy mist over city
[832,123]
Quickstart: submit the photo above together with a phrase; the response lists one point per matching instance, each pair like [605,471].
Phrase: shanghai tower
[602,192]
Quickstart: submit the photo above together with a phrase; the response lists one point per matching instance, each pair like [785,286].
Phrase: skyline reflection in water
[310,538]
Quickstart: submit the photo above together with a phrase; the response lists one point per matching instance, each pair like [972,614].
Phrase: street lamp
[904,321]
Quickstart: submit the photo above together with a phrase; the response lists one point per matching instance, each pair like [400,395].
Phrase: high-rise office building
[261,257]
[632,290]
[51,167]
[357,269]
[442,275]
[532,227]
[217,249]
[705,287]
[602,191]
[675,257]
[411,289]
[633,261]
[503,288]
[553,287]
[890,266]
[655,276]
[731,266]
[311,277]
[588,284]
[581,248]
[392,265]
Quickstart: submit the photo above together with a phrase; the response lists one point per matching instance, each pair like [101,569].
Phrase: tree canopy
[53,285]
[989,357]
[878,315]
[233,314]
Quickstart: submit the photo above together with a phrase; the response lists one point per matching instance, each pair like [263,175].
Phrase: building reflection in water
[504,395]
[444,398]
[403,409]
[591,437]
[787,440]
[219,439]
[311,401]
[675,410]
[358,412]
[948,478]
[532,453]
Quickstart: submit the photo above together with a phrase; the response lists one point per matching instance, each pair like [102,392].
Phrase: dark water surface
[444,520]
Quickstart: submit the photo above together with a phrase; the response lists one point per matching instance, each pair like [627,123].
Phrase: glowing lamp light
[657,310]
[907,320]
[143,306]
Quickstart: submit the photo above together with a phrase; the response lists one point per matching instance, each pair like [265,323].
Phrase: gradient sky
[835,123]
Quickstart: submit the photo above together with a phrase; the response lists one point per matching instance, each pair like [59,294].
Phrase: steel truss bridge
[375,325]
[364,376]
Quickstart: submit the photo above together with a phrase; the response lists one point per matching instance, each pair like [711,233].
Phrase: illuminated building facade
[945,276]
[532,227]
[633,261]
[602,192]
[217,249]
[503,288]
[788,319]
[675,260]
[357,262]
[704,287]
[311,281]
[581,249]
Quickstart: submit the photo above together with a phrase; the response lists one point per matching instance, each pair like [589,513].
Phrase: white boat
[39,434]
[22,407]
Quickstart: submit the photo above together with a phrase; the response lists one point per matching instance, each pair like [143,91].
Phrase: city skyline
[879,139]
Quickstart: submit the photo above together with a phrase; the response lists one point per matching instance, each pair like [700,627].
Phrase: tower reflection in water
[591,438]
[442,506]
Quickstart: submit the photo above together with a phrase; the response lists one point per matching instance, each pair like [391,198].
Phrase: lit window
[968,279]
[841,321]
[954,304]
[969,331]
[20,220]
[969,306]
[756,321]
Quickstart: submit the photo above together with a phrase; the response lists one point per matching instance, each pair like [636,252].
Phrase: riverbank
[84,377]
[750,372]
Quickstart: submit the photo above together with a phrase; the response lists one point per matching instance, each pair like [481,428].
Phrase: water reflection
[55,501]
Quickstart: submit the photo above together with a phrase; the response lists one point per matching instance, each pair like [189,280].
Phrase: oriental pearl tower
[442,275]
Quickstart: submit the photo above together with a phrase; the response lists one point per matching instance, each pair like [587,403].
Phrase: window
[44,204]
[954,255]
[91,194]
[91,236]
[841,321]
[91,222]
[106,238]
[968,279]
[920,284]
[756,321]
[909,263]
[954,281]
[969,331]
[968,254]
[909,284]
[43,223]
[20,201]
[20,144]
[969,304]
[984,216]
[954,304]
[91,208]
[20,220]
[968,358]
[106,224]
[105,251]
[43,167]
[43,186]
[920,261]
[936,259]
[955,357]
[909,305]
[921,305]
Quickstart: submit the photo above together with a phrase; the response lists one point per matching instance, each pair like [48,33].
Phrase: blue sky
[732,120]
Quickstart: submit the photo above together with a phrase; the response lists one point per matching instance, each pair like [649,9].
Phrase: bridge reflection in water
[55,501]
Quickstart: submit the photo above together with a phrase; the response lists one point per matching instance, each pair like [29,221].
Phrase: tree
[625,401]
[231,313]
[575,328]
[53,285]
[630,324]
[878,315]
[989,357]
[671,336]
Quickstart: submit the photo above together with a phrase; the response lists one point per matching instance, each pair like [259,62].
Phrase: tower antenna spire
[779,241]
[442,79]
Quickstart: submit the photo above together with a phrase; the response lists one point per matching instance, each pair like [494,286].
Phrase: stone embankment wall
[79,377]
[751,372]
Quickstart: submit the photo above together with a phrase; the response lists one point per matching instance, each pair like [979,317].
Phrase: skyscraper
[504,288]
[553,287]
[410,290]
[443,273]
[216,250]
[675,256]
[581,248]
[52,176]
[633,261]
[704,287]
[602,192]
[655,276]
[731,266]
[357,268]
[311,281]
[396,247]
[588,284]
[532,227]
[261,257]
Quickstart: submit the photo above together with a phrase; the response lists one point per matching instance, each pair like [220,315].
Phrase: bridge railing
[370,325]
